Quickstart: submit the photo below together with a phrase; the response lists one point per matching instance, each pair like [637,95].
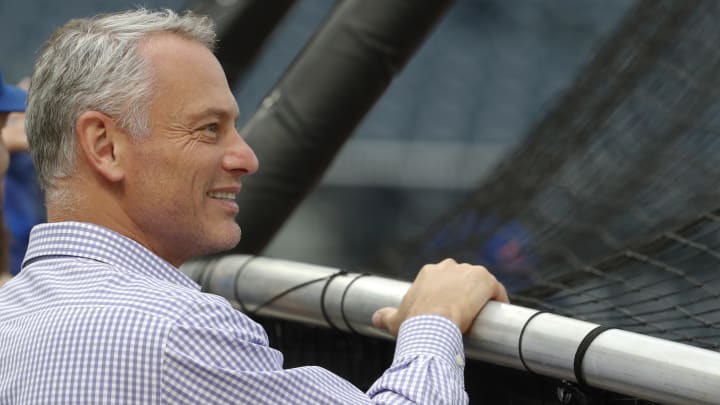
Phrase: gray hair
[94,65]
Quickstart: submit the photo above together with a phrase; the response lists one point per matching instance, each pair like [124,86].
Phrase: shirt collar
[80,239]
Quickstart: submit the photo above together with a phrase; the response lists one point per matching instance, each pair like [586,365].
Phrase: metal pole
[325,93]
[620,361]
[243,27]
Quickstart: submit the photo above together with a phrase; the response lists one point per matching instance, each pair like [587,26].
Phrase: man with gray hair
[131,125]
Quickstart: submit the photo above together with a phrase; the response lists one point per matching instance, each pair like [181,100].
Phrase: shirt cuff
[430,335]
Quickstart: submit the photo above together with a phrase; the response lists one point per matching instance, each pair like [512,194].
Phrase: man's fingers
[383,316]
[501,293]
[457,291]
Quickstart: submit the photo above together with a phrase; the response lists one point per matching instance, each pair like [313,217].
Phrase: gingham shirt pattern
[96,318]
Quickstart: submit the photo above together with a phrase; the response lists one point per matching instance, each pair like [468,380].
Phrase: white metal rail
[616,360]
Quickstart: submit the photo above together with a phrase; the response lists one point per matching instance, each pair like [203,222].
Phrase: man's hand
[455,291]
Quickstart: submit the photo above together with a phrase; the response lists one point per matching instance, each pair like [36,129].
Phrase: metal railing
[503,334]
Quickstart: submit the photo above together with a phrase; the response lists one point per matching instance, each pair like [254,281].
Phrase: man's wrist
[430,335]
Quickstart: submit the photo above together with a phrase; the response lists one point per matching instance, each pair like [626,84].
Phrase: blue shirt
[24,205]
[95,317]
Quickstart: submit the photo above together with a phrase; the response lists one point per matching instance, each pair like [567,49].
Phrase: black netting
[362,360]
[596,215]
[607,211]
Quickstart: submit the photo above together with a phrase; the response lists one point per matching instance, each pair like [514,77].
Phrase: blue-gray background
[489,71]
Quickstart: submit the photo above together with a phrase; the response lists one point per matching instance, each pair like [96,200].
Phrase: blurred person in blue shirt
[12,100]
[24,202]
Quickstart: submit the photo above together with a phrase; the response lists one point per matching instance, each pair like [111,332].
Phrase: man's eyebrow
[216,112]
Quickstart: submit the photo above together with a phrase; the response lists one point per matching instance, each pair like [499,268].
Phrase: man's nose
[240,157]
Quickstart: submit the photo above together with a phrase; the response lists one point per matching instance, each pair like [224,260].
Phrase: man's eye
[212,127]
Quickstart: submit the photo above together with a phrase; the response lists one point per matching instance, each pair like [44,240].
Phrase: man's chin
[229,239]
[215,241]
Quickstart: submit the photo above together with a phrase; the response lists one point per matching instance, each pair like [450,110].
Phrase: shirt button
[459,360]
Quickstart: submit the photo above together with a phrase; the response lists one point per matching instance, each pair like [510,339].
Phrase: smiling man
[131,124]
[178,184]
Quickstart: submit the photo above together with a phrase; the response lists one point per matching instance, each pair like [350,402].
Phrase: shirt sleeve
[230,362]
[428,367]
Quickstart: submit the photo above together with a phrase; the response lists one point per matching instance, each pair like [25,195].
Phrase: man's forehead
[158,42]
[173,55]
[230,112]
[189,82]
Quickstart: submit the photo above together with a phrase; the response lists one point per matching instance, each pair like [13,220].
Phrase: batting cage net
[607,212]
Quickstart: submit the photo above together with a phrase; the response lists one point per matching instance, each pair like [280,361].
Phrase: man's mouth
[222,196]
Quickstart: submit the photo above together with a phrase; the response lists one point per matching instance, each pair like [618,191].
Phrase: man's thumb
[381,318]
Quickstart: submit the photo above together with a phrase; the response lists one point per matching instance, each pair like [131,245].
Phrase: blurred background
[569,145]
[472,91]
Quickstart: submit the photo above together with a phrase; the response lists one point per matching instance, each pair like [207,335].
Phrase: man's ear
[100,140]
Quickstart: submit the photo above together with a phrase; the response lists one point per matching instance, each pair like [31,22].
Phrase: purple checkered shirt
[96,318]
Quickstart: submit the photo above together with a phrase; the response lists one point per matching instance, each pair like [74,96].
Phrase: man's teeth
[223,196]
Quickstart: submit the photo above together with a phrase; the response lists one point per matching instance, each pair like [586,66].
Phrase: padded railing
[504,334]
